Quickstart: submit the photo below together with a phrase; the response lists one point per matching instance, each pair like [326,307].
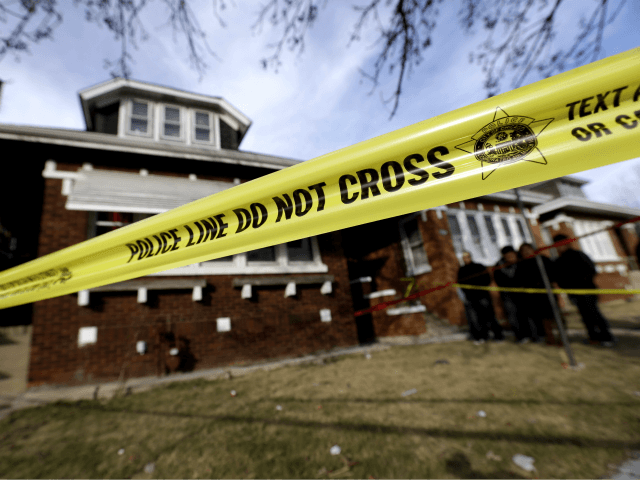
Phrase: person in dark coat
[480,314]
[575,269]
[513,303]
[538,308]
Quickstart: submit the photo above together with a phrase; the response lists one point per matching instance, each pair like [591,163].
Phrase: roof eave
[586,206]
[103,141]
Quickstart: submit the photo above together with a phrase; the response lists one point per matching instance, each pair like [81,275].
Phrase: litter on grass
[482,413]
[409,392]
[150,467]
[121,451]
[278,407]
[524,462]
[493,456]
[368,356]
[233,393]
[335,450]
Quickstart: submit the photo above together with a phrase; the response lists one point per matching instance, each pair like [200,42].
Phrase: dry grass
[573,422]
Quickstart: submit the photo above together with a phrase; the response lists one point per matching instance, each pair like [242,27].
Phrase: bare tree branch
[294,17]
[121,17]
[519,38]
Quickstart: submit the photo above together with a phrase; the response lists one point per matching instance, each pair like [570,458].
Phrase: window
[171,123]
[103,222]
[488,221]
[300,256]
[140,118]
[456,234]
[413,247]
[598,246]
[482,234]
[267,254]
[202,127]
[300,251]
[507,231]
[475,234]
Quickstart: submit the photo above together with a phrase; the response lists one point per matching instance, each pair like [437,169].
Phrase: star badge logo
[507,139]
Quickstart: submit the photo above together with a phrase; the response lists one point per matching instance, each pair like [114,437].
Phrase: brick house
[428,246]
[148,149]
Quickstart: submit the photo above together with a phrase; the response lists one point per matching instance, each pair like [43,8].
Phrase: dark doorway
[364,323]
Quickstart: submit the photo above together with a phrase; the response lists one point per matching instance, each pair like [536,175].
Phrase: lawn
[573,422]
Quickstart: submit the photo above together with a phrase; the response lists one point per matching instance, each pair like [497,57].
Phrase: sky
[314,104]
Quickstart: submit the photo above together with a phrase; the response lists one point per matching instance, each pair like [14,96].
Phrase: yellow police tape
[570,291]
[581,119]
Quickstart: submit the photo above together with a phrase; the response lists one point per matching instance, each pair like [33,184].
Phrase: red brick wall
[443,303]
[266,326]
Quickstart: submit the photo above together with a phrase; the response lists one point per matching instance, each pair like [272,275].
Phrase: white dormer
[143,111]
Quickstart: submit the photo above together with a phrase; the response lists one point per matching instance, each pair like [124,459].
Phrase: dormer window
[140,118]
[171,124]
[202,127]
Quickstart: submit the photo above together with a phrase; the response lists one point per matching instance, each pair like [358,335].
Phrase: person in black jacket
[538,308]
[514,303]
[575,269]
[480,314]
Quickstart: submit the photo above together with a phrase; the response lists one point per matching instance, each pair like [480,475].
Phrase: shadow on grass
[628,344]
[491,400]
[5,340]
[459,465]
[368,427]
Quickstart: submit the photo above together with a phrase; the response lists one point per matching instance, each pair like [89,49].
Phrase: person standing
[511,301]
[538,309]
[480,314]
[575,269]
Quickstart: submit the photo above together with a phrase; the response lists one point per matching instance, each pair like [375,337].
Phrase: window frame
[407,248]
[93,223]
[150,118]
[240,266]
[489,251]
[182,122]
[194,126]
[599,247]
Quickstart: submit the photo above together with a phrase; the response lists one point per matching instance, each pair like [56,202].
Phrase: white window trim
[590,244]
[240,266]
[183,123]
[412,269]
[150,118]
[488,256]
[212,129]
